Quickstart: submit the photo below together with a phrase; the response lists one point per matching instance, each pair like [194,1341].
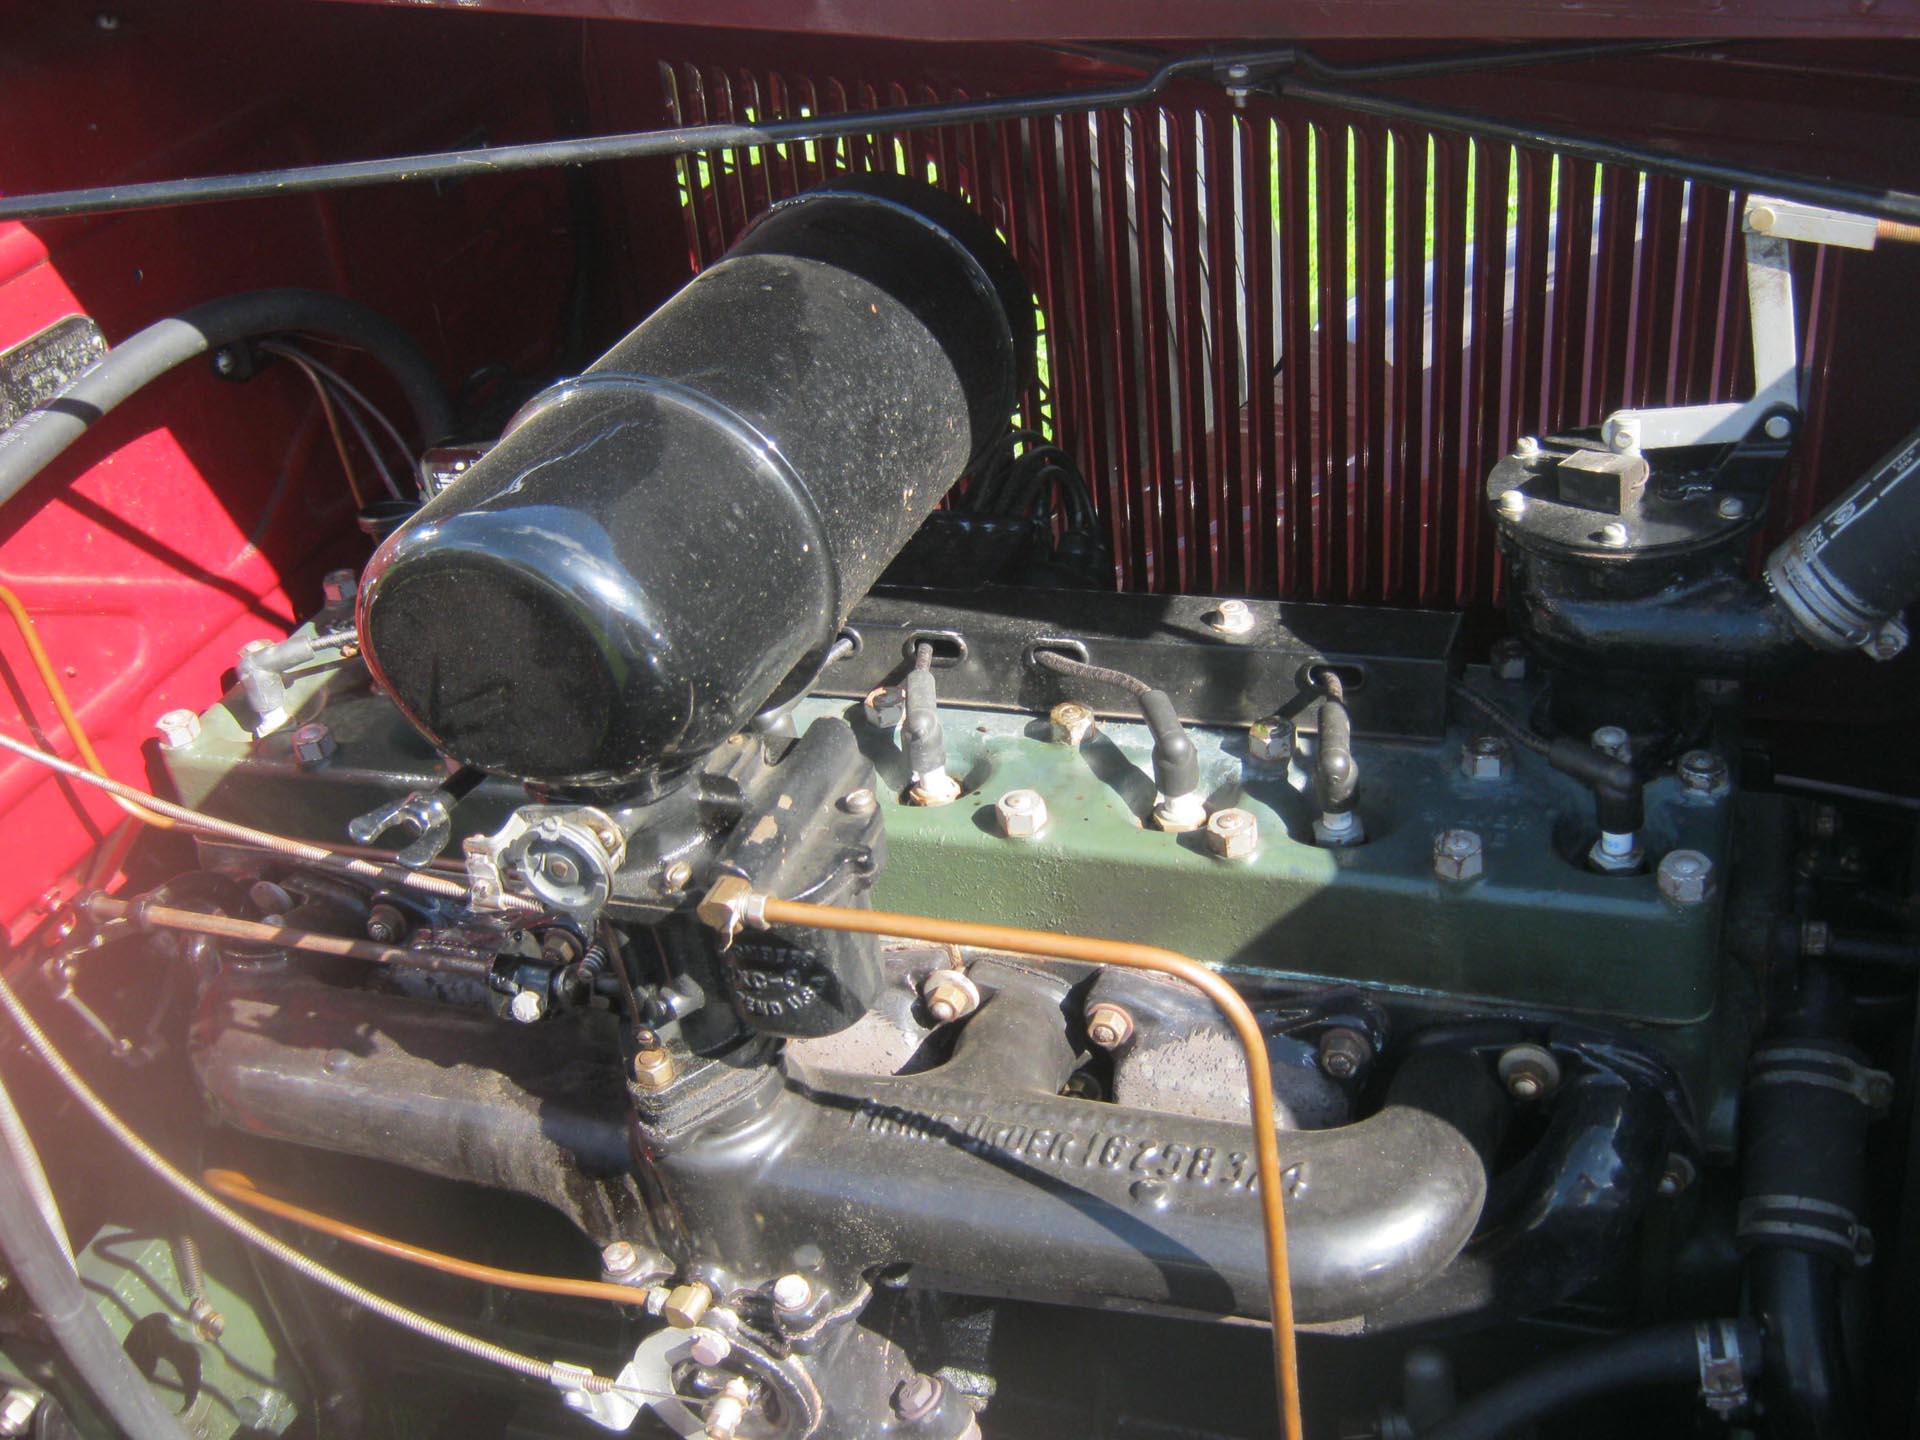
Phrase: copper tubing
[234,1186]
[57,693]
[1043,945]
[255,932]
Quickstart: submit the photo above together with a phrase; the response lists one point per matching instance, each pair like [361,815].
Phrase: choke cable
[235,1186]
[1125,955]
[554,1372]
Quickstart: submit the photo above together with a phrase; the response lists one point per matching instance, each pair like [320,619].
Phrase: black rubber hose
[73,1318]
[38,437]
[1663,1355]
[1336,775]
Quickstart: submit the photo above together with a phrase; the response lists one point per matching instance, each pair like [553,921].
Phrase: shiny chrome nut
[949,995]
[1072,723]
[1233,834]
[1022,814]
[1109,1025]
[1458,856]
[1234,617]
[177,728]
[312,745]
[1685,877]
[1703,774]
[1270,741]
[1486,757]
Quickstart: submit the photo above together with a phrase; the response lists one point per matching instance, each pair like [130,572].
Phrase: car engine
[742,908]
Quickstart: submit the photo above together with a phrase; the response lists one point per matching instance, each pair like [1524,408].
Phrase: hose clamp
[1823,1069]
[1723,1379]
[1801,1222]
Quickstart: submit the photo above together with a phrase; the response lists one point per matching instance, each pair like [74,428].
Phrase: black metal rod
[1253,67]
[1888,204]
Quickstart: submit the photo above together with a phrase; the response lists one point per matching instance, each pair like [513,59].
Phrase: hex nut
[1615,536]
[917,1397]
[1109,1025]
[1270,741]
[17,1409]
[1233,834]
[1344,1052]
[1232,617]
[1338,831]
[1508,660]
[1072,723]
[1022,814]
[312,745]
[653,1068]
[687,1305]
[1685,877]
[1703,774]
[620,1258]
[1528,1071]
[177,728]
[386,924]
[1486,757]
[934,789]
[949,995]
[1458,856]
[710,1348]
[792,1293]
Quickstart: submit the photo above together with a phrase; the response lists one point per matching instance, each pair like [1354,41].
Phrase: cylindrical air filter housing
[652,549]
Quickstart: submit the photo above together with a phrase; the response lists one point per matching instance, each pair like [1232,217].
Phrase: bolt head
[1525,446]
[620,1258]
[652,1068]
[1022,814]
[1508,660]
[1458,856]
[1614,535]
[1677,1178]
[1109,1026]
[562,869]
[1889,640]
[1613,741]
[1731,507]
[1512,504]
[1233,834]
[527,1006]
[177,728]
[385,924]
[1779,427]
[1685,877]
[1072,723]
[710,1348]
[312,745]
[1232,617]
[1703,773]
[792,1293]
[860,802]
[917,1397]
[1486,757]
[1270,741]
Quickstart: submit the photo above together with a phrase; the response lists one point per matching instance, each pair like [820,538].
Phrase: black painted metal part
[652,549]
